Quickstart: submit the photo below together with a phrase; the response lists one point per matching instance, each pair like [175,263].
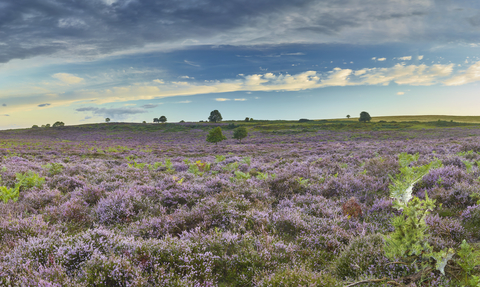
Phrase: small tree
[240,133]
[107,120]
[58,124]
[162,119]
[215,135]
[215,116]
[247,119]
[155,120]
[47,125]
[348,116]
[364,117]
[35,127]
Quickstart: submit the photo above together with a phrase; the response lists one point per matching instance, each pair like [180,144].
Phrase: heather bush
[364,256]
[119,206]
[110,270]
[471,220]
[445,232]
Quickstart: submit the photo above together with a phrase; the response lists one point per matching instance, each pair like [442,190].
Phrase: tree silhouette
[364,117]
[215,116]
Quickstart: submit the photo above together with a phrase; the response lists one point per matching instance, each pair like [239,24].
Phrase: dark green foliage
[247,119]
[231,126]
[215,116]
[364,117]
[348,116]
[58,124]
[216,136]
[156,120]
[107,120]
[468,260]
[304,120]
[162,119]
[240,133]
[35,127]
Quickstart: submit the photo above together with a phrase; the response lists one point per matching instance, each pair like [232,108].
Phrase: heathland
[295,203]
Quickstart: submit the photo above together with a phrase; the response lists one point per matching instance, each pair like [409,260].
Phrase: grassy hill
[424,118]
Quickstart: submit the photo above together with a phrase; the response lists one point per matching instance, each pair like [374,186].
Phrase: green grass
[425,118]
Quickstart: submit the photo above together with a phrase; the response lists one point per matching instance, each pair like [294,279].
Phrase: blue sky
[134,60]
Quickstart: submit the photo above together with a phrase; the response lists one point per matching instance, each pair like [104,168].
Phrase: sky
[81,61]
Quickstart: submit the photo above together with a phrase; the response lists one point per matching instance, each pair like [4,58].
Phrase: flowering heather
[123,207]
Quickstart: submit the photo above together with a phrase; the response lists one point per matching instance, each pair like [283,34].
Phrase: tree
[47,125]
[240,133]
[215,116]
[364,117]
[348,116]
[247,119]
[107,120]
[58,124]
[215,135]
[155,120]
[35,127]
[162,119]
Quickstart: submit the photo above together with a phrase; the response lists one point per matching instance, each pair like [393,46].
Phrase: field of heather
[123,205]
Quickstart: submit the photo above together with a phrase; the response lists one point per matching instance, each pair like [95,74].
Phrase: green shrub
[298,277]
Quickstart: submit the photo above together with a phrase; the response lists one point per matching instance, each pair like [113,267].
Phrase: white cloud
[222,99]
[401,93]
[420,57]
[472,74]
[186,77]
[374,58]
[381,59]
[158,81]
[67,78]
[360,72]
[405,58]
[184,102]
[240,100]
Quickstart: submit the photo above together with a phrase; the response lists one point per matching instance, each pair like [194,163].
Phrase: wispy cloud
[222,99]
[381,59]
[112,112]
[68,78]
[240,100]
[150,106]
[191,63]
[405,58]
[401,93]
[44,105]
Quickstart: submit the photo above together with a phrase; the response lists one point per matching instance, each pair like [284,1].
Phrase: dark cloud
[112,112]
[149,106]
[93,28]
[4,105]
[44,105]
